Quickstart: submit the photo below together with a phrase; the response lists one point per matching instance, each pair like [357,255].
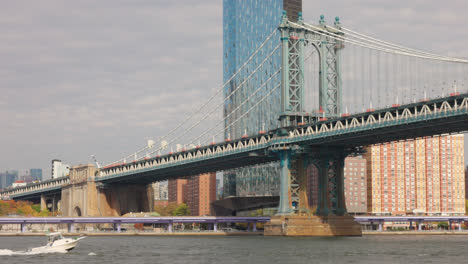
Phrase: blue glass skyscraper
[246,26]
[36,174]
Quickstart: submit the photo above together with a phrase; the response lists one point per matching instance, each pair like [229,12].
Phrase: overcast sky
[100,77]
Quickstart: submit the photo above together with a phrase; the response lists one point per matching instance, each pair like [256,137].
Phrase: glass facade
[246,25]
[36,174]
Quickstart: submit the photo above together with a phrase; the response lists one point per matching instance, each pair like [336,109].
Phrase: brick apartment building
[355,180]
[197,192]
[421,176]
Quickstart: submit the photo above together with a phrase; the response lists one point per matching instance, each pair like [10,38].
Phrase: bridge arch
[313,64]
[77,211]
[49,204]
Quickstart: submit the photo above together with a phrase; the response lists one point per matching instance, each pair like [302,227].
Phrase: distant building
[355,181]
[36,174]
[176,189]
[25,176]
[156,190]
[7,178]
[219,189]
[59,169]
[163,192]
[197,192]
[18,184]
[2,180]
[421,176]
[200,192]
[355,185]
[312,185]
[160,191]
[161,203]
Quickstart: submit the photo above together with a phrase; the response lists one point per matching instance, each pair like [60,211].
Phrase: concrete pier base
[312,226]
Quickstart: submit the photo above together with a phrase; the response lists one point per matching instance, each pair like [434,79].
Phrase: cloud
[101,77]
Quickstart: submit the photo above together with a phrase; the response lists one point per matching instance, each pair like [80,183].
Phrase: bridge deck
[438,116]
[434,117]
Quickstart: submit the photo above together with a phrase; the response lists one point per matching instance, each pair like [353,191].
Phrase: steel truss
[295,38]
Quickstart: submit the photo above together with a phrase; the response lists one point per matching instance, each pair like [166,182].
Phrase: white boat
[57,243]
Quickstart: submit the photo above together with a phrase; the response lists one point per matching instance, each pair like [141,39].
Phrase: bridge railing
[397,115]
[427,110]
[34,187]
[213,221]
[198,154]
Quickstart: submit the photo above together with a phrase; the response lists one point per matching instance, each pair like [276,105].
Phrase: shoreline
[409,233]
[139,234]
[415,233]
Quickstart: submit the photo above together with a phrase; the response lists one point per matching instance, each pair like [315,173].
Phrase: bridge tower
[294,216]
[295,37]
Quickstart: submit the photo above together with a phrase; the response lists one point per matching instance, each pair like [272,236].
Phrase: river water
[242,249]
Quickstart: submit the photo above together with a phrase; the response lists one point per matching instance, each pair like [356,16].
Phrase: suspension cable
[269,93]
[239,106]
[388,44]
[222,103]
[320,31]
[247,100]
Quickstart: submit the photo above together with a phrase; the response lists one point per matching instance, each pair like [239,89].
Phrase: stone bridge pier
[85,197]
[295,216]
[51,202]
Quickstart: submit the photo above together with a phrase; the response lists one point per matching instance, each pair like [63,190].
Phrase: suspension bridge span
[331,104]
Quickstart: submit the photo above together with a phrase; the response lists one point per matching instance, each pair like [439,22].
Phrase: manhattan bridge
[338,90]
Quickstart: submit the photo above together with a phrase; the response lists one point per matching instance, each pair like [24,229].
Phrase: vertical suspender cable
[378,79]
[355,86]
[351,82]
[400,71]
[371,86]
[351,107]
[363,75]
[394,88]
[413,75]
[386,77]
[406,76]
[438,75]
[418,84]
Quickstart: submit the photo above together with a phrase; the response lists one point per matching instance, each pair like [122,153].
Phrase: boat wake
[7,252]
[56,244]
